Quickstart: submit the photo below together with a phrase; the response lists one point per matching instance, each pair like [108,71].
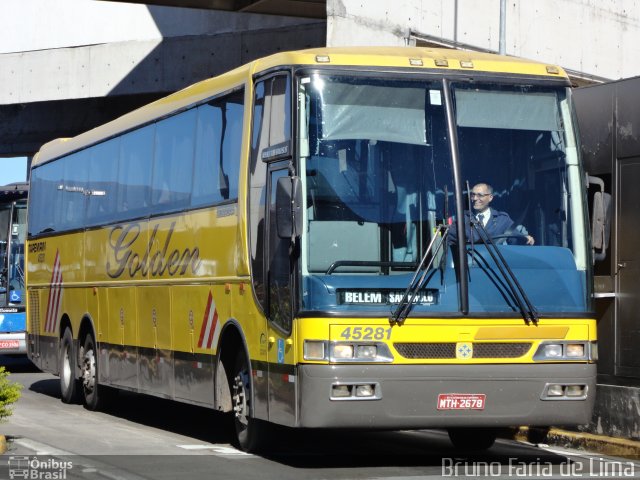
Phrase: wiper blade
[406,302]
[366,263]
[525,306]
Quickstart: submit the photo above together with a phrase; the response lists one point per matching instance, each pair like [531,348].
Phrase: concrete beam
[25,127]
[63,92]
[293,8]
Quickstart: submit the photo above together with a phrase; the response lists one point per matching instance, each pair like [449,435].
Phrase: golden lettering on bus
[122,241]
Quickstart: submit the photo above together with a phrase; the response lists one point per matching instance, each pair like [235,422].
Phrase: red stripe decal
[51,306]
[213,328]
[205,320]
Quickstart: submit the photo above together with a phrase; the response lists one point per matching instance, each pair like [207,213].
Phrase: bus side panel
[118,253]
[155,356]
[55,273]
[193,314]
[207,241]
[122,352]
[44,353]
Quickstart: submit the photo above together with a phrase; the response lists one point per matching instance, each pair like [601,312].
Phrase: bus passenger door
[281,358]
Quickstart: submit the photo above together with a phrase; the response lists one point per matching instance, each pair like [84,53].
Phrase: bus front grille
[448,350]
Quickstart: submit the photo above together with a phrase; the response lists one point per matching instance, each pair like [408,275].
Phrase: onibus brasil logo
[38,469]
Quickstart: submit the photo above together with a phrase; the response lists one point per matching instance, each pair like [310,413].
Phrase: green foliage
[9,394]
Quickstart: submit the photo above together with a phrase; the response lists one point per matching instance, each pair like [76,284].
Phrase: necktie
[480,218]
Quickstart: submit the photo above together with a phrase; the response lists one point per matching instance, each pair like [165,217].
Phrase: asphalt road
[142,437]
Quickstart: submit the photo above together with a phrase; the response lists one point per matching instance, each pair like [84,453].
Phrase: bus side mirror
[289,207]
[600,220]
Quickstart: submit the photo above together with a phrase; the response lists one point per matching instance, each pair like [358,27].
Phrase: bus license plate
[461,401]
[9,344]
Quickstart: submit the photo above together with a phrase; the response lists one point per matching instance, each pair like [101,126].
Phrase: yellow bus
[295,242]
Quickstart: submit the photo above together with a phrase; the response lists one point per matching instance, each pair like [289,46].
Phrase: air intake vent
[434,351]
[34,312]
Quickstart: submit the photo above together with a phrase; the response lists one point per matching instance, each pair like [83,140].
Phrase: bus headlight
[575,350]
[566,350]
[555,390]
[342,351]
[359,352]
[367,351]
[314,350]
[552,351]
[559,391]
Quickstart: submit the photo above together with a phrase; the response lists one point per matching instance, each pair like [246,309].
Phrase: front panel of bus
[13,226]
[495,331]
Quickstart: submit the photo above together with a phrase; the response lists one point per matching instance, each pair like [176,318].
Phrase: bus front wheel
[68,381]
[249,431]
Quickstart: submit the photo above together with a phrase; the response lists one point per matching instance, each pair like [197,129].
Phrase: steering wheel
[518,238]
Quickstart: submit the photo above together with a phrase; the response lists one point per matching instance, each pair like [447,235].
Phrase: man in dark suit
[495,222]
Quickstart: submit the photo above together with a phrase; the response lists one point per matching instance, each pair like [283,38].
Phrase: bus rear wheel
[68,381]
[90,388]
[249,431]
[474,439]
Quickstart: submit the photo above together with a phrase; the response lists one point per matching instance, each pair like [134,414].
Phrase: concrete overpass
[68,67]
[301,8]
[82,63]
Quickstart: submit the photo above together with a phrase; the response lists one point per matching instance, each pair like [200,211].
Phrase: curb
[617,447]
[3,444]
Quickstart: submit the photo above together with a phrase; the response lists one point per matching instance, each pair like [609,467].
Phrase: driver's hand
[530,240]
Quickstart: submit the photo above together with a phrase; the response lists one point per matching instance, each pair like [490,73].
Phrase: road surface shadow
[17,364]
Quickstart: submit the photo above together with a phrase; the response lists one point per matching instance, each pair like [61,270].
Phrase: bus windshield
[377,170]
[13,227]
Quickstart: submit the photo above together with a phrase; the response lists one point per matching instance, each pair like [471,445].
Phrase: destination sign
[384,297]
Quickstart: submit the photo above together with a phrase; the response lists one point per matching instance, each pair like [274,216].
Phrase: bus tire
[68,380]
[249,431]
[473,439]
[91,391]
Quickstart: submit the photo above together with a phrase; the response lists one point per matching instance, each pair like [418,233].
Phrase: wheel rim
[66,366]
[239,399]
[89,370]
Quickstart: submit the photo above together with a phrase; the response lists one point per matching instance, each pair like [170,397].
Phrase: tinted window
[103,182]
[190,159]
[73,191]
[45,198]
[218,146]
[271,128]
[134,172]
[173,165]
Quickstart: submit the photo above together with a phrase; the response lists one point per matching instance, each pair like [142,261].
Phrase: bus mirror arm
[289,207]
[600,219]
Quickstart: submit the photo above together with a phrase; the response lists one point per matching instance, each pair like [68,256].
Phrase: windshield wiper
[406,302]
[366,263]
[527,310]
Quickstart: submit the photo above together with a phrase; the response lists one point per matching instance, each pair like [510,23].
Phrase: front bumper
[408,395]
[11,343]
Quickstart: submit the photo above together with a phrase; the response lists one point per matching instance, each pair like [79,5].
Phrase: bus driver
[495,222]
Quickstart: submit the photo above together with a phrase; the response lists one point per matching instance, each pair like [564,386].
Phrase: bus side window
[134,172]
[173,162]
[73,190]
[271,127]
[103,178]
[217,151]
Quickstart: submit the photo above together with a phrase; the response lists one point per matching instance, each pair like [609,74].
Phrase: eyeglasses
[478,195]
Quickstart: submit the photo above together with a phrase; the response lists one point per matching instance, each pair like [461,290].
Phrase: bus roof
[393,58]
